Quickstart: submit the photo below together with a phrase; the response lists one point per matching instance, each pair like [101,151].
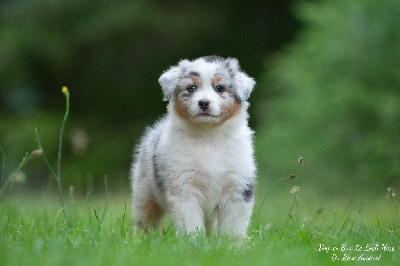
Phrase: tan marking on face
[181,105]
[230,110]
[196,81]
[216,80]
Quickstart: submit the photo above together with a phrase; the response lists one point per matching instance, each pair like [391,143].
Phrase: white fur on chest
[210,162]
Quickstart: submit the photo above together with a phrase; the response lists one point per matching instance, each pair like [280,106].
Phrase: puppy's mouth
[206,114]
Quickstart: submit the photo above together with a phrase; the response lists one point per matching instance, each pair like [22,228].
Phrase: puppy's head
[206,90]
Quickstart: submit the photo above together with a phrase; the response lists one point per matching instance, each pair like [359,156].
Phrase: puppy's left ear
[244,86]
[243,83]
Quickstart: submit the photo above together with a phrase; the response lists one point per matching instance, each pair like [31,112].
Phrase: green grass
[302,228]
[33,231]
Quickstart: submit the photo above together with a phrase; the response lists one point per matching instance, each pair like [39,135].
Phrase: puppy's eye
[191,88]
[220,89]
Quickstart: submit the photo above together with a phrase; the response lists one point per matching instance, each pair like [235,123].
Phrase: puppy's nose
[204,104]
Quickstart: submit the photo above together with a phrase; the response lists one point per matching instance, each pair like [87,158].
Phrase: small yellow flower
[64,89]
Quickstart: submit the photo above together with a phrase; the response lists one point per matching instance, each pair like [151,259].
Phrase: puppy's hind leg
[148,214]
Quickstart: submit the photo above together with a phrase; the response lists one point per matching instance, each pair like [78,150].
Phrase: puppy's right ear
[168,81]
[170,78]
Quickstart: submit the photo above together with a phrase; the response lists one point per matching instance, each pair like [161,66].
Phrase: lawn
[320,231]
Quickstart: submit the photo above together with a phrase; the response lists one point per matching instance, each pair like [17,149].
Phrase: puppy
[197,162]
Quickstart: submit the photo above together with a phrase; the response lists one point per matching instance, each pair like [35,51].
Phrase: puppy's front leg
[235,212]
[187,212]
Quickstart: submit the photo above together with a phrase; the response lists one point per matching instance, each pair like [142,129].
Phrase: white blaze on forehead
[206,92]
[205,70]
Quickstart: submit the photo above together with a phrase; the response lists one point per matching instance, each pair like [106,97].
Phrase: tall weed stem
[66,93]
[296,188]
[57,174]
[271,188]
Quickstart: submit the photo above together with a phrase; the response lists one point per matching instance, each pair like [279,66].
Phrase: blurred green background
[328,84]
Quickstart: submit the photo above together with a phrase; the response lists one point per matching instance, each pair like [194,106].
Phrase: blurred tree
[113,51]
[333,96]
[110,55]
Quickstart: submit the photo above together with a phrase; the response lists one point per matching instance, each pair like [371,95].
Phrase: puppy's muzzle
[204,104]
